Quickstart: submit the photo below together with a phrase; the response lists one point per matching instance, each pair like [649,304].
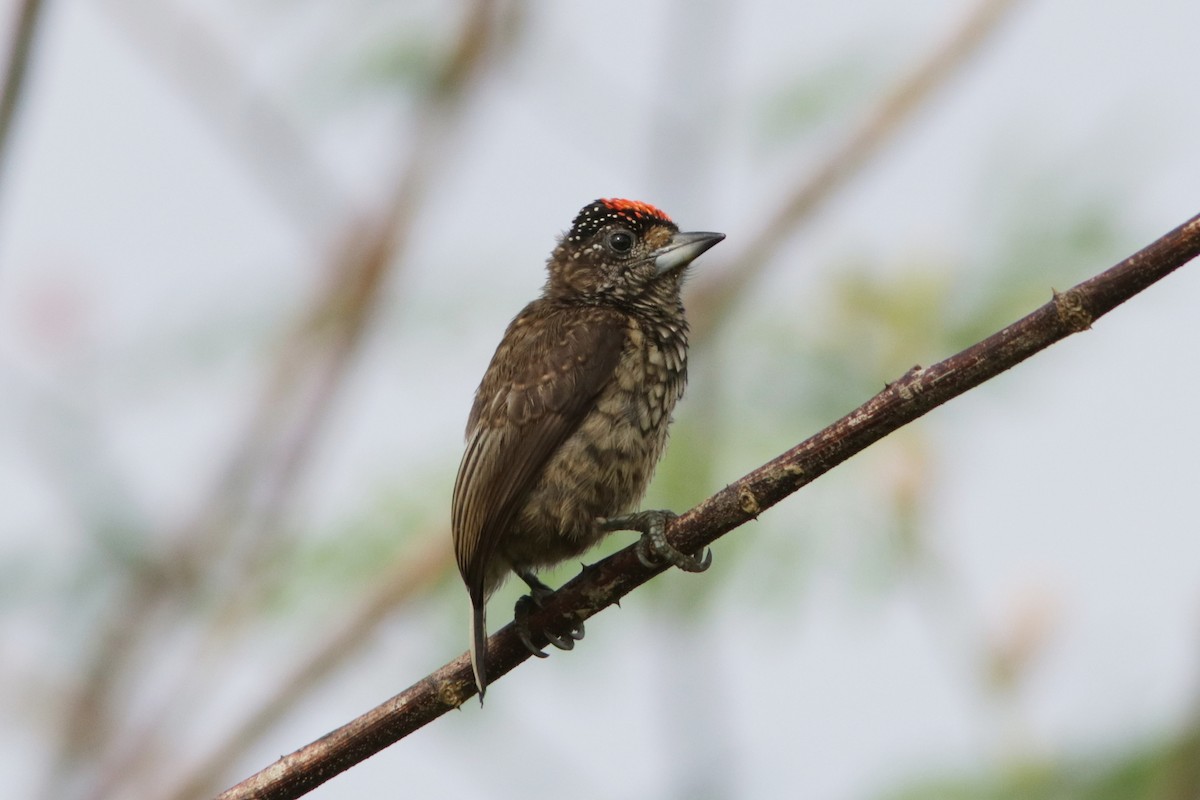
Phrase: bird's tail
[479,645]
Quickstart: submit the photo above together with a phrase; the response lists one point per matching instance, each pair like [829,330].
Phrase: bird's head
[625,252]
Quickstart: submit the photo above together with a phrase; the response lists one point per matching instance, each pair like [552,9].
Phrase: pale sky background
[144,277]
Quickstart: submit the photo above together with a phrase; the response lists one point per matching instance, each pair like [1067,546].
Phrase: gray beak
[683,250]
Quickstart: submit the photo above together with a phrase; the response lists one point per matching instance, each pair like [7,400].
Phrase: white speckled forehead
[614,211]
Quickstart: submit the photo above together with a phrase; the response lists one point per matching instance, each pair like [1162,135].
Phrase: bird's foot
[538,592]
[653,549]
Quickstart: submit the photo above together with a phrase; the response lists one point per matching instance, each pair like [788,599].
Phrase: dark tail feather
[479,646]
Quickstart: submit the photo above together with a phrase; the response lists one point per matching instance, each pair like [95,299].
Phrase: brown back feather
[543,379]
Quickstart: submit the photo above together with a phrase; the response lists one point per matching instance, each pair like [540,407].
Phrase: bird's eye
[620,241]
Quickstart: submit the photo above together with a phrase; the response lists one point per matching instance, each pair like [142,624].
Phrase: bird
[571,416]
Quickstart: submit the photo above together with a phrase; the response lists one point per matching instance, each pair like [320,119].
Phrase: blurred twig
[313,362]
[710,300]
[409,578]
[20,52]
[332,330]
[248,120]
[603,584]
[224,542]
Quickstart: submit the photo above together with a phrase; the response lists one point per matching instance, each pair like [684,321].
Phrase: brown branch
[712,299]
[602,584]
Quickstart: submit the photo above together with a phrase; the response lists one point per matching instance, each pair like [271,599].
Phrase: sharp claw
[536,597]
[566,641]
[521,623]
[523,635]
[561,642]
[664,551]
[643,554]
[653,549]
[696,563]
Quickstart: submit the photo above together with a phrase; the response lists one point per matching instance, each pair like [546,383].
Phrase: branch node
[748,502]
[1071,310]
[911,384]
[450,693]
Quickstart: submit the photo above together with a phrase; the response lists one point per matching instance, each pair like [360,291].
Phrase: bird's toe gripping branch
[538,592]
[653,549]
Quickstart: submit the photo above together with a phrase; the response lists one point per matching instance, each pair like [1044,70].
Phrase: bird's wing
[542,381]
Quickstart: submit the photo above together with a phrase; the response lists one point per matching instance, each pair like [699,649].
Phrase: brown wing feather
[544,377]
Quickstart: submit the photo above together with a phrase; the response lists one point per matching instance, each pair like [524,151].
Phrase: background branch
[606,582]
[408,578]
[711,301]
[246,118]
[16,70]
[224,544]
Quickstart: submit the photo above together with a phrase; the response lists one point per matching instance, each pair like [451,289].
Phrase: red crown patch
[634,207]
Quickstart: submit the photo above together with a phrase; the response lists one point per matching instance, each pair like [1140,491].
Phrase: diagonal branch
[246,118]
[12,86]
[410,577]
[712,300]
[602,584]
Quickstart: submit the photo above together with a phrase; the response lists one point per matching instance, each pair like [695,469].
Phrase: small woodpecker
[571,416]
